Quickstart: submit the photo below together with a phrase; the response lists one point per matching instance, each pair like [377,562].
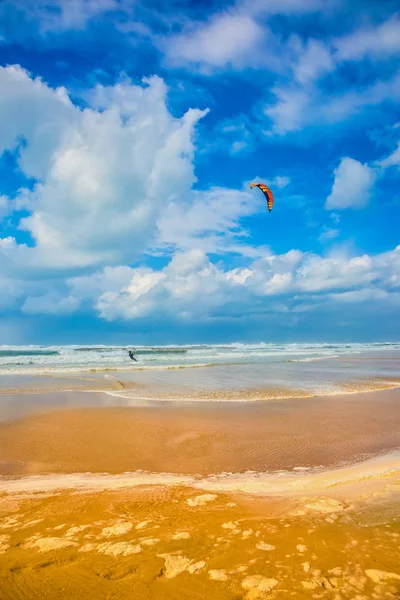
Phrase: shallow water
[71,432]
[203,372]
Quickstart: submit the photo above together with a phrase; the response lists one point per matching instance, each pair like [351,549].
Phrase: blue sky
[129,134]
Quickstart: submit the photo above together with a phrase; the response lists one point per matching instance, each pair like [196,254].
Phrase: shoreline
[227,396]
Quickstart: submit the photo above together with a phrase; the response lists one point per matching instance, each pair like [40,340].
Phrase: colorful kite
[267,193]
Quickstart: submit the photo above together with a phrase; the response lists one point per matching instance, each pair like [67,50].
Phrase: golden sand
[163,542]
[212,438]
[88,529]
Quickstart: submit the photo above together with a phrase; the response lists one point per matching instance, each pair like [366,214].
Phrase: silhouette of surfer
[131,355]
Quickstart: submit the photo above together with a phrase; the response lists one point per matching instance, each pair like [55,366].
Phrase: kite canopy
[267,193]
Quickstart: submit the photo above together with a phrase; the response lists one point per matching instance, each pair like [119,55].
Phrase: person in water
[131,355]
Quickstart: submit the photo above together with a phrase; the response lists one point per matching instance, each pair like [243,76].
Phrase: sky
[130,131]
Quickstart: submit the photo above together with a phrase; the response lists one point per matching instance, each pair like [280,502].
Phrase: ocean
[203,372]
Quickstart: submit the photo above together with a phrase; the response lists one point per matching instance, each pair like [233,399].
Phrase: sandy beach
[199,300]
[292,498]
[200,438]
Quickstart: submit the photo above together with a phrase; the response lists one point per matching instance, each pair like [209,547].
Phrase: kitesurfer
[131,355]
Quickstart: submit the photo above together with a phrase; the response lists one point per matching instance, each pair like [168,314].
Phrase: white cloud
[352,186]
[72,14]
[59,15]
[241,38]
[289,112]
[378,41]
[300,106]
[328,234]
[191,286]
[260,8]
[103,176]
[228,39]
[393,160]
[313,60]
[280,181]
[210,221]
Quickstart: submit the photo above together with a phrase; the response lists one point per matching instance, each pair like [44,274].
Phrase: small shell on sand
[380,576]
[306,567]
[201,500]
[218,575]
[183,535]
[301,548]
[265,547]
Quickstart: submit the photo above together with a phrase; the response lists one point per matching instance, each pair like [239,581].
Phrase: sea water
[202,371]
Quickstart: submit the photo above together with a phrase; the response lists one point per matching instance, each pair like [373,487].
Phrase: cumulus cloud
[210,222]
[352,186]
[102,175]
[190,286]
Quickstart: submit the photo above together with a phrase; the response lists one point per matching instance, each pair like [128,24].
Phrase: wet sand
[173,542]
[211,438]
[172,531]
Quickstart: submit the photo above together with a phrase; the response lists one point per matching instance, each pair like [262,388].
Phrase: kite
[267,193]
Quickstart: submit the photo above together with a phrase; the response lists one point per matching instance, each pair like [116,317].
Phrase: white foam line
[392,385]
[267,484]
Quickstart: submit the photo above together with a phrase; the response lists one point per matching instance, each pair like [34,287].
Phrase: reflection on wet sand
[205,438]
